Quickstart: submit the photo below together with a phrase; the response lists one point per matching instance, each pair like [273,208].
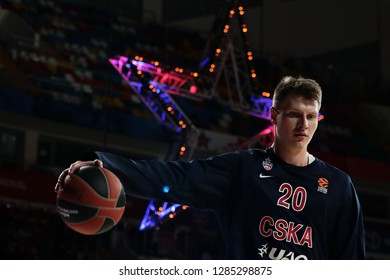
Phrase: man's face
[295,122]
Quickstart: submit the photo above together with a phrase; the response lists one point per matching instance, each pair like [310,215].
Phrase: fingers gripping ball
[92,200]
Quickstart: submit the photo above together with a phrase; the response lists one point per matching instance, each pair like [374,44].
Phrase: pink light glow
[193,89]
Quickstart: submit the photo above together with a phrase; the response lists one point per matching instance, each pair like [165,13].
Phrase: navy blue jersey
[267,208]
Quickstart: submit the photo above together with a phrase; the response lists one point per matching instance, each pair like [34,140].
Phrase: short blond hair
[288,85]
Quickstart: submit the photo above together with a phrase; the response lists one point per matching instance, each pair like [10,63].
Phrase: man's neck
[297,157]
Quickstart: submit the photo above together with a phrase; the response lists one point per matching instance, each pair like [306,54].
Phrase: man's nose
[303,122]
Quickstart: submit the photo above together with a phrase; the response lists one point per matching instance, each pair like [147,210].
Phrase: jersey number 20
[294,198]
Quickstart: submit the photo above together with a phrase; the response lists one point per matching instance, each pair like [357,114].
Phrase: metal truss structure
[143,78]
[227,58]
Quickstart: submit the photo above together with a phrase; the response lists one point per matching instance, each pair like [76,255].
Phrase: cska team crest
[267,164]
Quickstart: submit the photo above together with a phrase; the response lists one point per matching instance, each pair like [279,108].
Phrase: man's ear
[274,114]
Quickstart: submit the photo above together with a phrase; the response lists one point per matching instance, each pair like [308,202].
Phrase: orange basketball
[92,200]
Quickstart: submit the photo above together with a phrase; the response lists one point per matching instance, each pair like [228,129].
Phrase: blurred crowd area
[65,70]
[38,233]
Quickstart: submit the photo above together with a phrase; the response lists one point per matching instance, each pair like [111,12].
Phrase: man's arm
[350,243]
[200,183]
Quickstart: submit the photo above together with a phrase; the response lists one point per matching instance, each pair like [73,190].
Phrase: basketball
[92,200]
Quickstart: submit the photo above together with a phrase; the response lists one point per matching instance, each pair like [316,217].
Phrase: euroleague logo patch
[323,184]
[267,164]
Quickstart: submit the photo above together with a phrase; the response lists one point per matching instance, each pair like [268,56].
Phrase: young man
[276,203]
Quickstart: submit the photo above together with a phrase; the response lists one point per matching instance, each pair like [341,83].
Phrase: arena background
[60,97]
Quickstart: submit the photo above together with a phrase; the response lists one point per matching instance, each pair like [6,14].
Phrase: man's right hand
[72,168]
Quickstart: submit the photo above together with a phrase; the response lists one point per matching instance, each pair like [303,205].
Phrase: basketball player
[276,203]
